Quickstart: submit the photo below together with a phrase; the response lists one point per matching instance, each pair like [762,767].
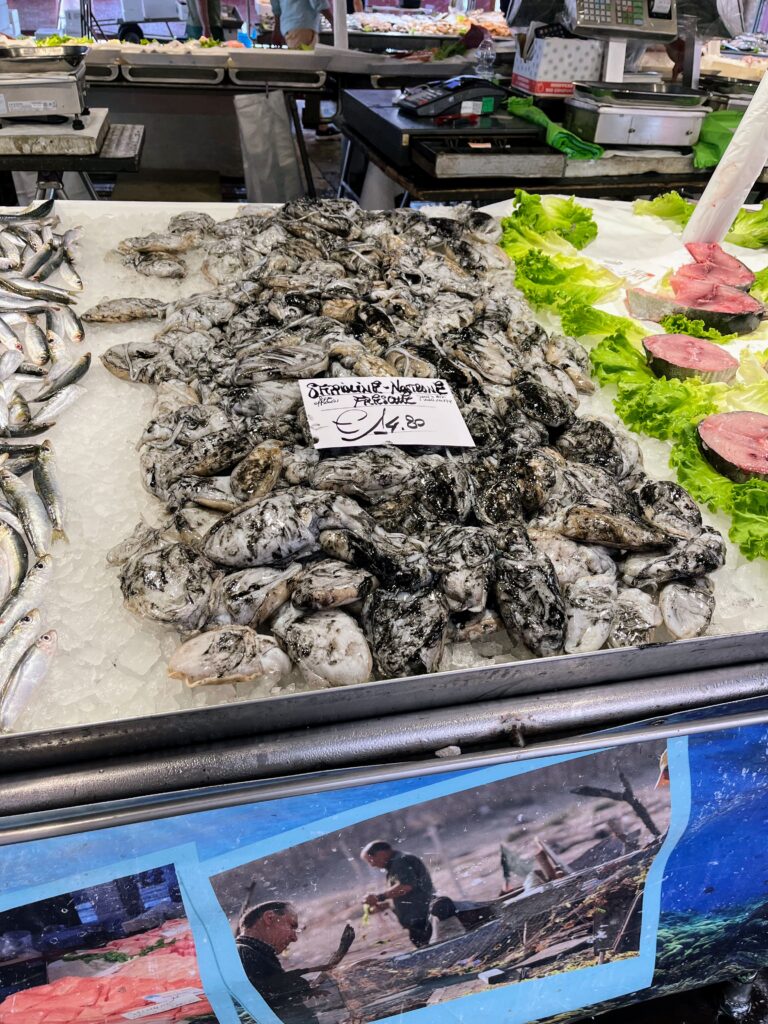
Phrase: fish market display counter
[144,818]
[430,161]
[186,100]
[109,691]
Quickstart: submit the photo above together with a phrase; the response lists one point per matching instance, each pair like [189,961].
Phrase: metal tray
[370,702]
[654,94]
[716,82]
[40,59]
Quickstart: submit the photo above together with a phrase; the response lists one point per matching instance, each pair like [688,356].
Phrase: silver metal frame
[258,718]
[512,723]
[43,825]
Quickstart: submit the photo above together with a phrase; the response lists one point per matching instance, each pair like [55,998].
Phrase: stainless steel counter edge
[151,778]
[24,751]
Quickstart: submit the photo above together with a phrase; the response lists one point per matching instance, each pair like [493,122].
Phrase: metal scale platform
[43,84]
[497,145]
[615,112]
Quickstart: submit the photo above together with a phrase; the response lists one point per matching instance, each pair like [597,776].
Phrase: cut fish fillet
[723,312]
[736,444]
[680,355]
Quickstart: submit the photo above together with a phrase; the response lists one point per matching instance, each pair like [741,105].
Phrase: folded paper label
[355,412]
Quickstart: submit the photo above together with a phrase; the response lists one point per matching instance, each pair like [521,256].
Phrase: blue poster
[517,892]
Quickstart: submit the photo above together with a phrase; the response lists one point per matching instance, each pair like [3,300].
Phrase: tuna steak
[736,444]
[679,355]
[728,310]
[711,273]
[709,253]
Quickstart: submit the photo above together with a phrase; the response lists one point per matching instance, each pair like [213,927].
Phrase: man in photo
[265,932]
[409,889]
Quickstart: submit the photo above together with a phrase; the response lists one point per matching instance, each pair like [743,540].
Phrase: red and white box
[550,66]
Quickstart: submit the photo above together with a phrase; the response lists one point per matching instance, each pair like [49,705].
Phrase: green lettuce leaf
[749,518]
[746,503]
[665,408]
[702,482]
[746,397]
[617,360]
[677,323]
[587,322]
[750,228]
[556,282]
[671,207]
[574,223]
[760,288]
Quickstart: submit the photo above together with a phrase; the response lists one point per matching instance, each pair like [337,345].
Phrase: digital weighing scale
[46,83]
[632,114]
[491,146]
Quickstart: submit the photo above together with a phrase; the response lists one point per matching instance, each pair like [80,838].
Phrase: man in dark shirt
[266,931]
[409,888]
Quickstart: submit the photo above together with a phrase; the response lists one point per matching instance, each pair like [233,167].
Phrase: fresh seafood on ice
[370,563]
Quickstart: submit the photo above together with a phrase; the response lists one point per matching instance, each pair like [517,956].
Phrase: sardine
[30,671]
[48,411]
[14,560]
[69,376]
[29,508]
[36,261]
[46,485]
[32,212]
[7,336]
[27,595]
[15,643]
[35,345]
[49,268]
[70,276]
[33,289]
[73,325]
[10,361]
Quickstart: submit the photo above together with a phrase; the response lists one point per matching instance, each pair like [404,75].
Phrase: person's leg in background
[301,39]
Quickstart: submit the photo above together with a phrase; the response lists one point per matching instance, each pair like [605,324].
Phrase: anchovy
[10,303]
[56,262]
[28,594]
[33,289]
[10,361]
[13,645]
[56,405]
[29,673]
[7,336]
[14,560]
[67,377]
[28,429]
[18,411]
[73,325]
[35,345]
[31,212]
[29,508]
[36,261]
[69,275]
[47,487]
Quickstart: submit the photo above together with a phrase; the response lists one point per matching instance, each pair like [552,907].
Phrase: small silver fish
[73,325]
[14,560]
[70,276]
[15,643]
[29,508]
[27,595]
[30,671]
[46,485]
[35,345]
[55,406]
[10,361]
[7,336]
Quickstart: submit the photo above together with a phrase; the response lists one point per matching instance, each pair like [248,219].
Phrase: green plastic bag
[716,132]
[557,137]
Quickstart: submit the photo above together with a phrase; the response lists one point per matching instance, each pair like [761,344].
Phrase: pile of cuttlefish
[370,563]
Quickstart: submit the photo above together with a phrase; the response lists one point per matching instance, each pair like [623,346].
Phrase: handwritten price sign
[359,412]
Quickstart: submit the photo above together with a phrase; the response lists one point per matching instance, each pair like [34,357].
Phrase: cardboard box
[549,67]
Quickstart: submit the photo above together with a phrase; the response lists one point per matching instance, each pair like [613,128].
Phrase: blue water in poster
[529,890]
